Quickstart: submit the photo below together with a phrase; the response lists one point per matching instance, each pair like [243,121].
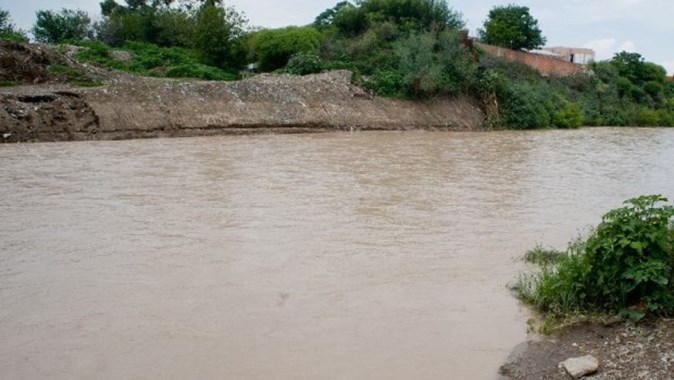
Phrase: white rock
[579,367]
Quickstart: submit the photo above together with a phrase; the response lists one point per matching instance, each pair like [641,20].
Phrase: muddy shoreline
[624,350]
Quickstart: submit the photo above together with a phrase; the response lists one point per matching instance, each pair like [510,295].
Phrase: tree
[5,21]
[211,34]
[409,15]
[327,17]
[512,27]
[7,29]
[55,27]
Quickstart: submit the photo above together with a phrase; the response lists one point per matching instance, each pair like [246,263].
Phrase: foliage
[152,60]
[409,15]
[433,64]
[66,25]
[543,256]
[212,34]
[568,115]
[274,47]
[625,266]
[512,27]
[526,106]
[208,27]
[327,17]
[10,83]
[304,63]
[7,29]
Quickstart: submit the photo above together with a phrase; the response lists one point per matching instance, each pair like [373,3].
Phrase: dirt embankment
[133,107]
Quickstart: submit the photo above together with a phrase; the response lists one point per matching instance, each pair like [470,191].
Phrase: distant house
[580,56]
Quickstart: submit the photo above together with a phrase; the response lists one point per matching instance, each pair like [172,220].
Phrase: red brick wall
[547,66]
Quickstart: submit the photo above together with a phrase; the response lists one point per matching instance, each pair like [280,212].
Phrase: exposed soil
[624,350]
[127,106]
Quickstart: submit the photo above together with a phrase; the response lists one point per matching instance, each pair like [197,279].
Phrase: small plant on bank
[543,256]
[624,267]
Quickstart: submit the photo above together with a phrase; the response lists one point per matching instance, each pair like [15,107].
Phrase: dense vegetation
[625,266]
[396,48]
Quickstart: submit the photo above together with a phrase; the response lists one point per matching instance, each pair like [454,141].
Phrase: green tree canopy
[327,17]
[410,15]
[274,47]
[68,24]
[5,21]
[512,27]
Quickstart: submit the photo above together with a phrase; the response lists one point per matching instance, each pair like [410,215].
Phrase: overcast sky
[607,26]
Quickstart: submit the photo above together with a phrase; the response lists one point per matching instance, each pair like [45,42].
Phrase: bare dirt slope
[127,106]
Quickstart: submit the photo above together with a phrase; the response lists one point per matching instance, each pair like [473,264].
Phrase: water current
[337,256]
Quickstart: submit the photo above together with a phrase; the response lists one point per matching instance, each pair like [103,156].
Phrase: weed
[9,83]
[540,255]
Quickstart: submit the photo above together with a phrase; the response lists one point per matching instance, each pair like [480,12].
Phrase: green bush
[526,107]
[569,115]
[625,266]
[386,83]
[304,63]
[274,47]
[199,71]
[648,117]
[152,60]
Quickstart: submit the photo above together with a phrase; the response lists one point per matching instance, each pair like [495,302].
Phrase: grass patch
[10,83]
[151,60]
[543,256]
[68,71]
[87,83]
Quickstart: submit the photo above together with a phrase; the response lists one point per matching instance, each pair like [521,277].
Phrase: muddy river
[336,256]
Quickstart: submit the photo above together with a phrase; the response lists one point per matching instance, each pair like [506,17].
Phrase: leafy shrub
[386,83]
[274,47]
[152,60]
[525,107]
[569,115]
[304,63]
[648,117]
[625,266]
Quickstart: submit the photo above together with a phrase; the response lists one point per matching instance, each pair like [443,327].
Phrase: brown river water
[337,256]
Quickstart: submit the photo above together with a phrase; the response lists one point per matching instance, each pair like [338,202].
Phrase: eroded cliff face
[132,107]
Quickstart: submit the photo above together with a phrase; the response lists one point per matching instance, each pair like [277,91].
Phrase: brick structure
[582,56]
[546,65]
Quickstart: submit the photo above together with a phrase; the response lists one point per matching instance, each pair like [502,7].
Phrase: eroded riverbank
[128,107]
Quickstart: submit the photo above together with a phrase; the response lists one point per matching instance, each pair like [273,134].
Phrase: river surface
[335,256]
